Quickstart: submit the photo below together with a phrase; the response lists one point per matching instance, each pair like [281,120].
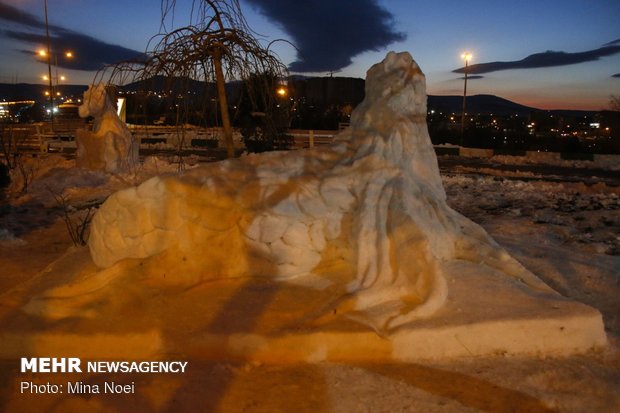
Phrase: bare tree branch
[216,47]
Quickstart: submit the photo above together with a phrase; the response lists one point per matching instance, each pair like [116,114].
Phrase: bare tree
[216,47]
[77,221]
[18,165]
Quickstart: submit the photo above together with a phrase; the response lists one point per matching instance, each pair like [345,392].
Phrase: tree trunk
[221,93]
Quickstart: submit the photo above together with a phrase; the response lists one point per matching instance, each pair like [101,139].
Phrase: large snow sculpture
[109,146]
[371,205]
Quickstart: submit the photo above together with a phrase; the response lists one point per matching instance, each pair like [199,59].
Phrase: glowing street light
[49,78]
[467,57]
[61,78]
[47,54]
[281,91]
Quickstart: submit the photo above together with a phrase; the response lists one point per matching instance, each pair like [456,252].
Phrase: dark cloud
[12,14]
[546,59]
[616,75]
[90,53]
[327,33]
[471,77]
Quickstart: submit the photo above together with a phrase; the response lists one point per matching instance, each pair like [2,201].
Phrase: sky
[550,54]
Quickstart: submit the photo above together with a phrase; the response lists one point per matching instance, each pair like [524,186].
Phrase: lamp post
[467,57]
[49,65]
[48,55]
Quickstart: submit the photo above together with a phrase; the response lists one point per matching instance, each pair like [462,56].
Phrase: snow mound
[372,205]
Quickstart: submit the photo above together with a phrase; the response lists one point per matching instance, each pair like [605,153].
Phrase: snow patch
[8,238]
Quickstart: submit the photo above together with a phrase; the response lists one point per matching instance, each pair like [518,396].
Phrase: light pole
[467,57]
[49,65]
[48,55]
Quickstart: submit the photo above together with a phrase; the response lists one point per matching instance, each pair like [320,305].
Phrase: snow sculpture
[109,146]
[373,201]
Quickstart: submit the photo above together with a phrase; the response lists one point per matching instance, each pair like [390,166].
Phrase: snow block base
[105,317]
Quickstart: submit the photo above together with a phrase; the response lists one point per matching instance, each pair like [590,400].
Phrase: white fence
[40,137]
[303,138]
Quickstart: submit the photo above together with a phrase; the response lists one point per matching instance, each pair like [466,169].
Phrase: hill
[487,104]
[478,104]
[29,91]
[321,87]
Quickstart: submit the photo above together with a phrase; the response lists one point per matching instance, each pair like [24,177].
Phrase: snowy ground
[567,233]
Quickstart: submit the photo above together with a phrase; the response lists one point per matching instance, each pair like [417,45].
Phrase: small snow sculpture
[109,146]
[367,215]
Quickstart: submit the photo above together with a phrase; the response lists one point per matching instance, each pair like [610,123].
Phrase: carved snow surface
[372,203]
[109,147]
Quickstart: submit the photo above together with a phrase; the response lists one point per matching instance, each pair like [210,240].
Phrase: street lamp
[42,53]
[48,55]
[58,78]
[467,57]
[50,79]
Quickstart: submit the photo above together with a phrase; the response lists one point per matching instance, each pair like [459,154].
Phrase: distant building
[9,110]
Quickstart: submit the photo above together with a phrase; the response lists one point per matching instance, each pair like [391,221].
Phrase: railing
[60,134]
[41,137]
[19,137]
[303,138]
[186,137]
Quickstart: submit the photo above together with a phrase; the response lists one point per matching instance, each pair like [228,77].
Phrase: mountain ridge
[481,103]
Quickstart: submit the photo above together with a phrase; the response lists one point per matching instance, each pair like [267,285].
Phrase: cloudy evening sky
[547,53]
